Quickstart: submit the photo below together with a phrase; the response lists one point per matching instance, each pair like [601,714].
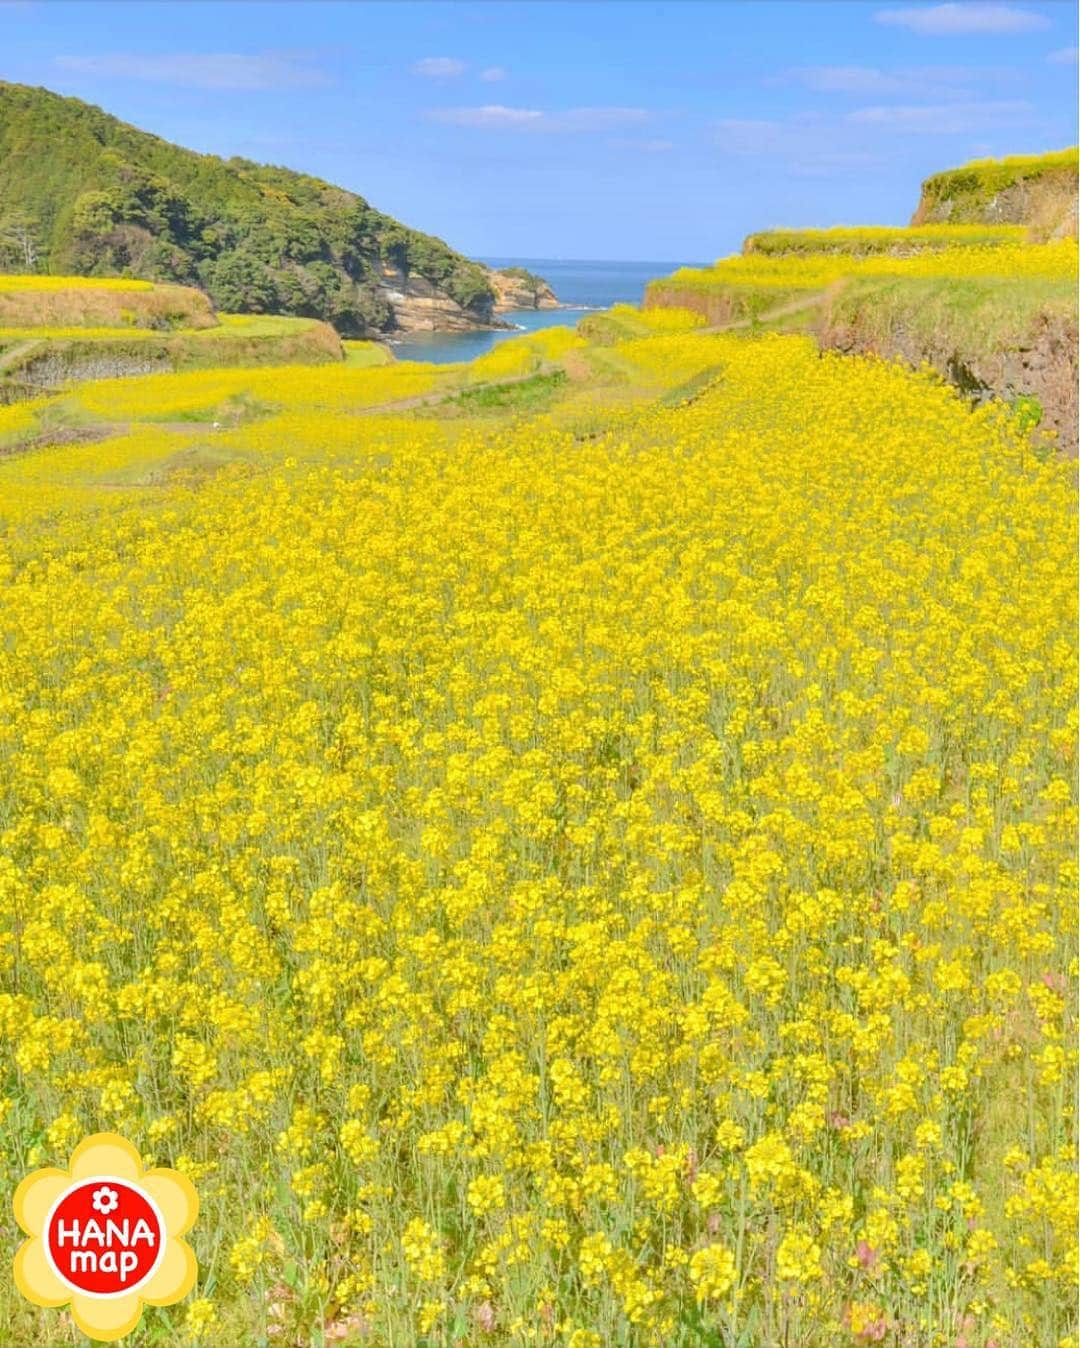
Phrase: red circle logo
[104,1236]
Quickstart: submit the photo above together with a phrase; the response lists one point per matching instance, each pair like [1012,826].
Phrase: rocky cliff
[517,288]
[416,305]
[1039,191]
[419,306]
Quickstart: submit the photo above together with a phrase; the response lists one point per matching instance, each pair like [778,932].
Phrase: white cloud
[492,115]
[1064,56]
[574,120]
[492,74]
[955,20]
[439,67]
[945,119]
[202,70]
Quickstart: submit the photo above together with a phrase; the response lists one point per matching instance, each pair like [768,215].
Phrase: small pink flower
[484,1315]
[866,1255]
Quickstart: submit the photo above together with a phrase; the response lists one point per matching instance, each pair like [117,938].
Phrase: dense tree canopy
[94,196]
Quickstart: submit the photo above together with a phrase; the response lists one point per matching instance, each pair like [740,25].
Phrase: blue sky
[647,131]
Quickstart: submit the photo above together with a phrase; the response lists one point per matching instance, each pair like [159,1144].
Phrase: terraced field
[577,849]
[55,330]
[992,312]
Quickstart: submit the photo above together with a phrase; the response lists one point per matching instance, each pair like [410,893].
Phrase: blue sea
[584,286]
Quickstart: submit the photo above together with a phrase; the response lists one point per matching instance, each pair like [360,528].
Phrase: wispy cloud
[945,119]
[203,70]
[957,20]
[1064,56]
[925,82]
[439,67]
[574,120]
[492,74]
[818,144]
[491,115]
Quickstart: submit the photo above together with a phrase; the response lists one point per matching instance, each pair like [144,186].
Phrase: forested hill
[82,192]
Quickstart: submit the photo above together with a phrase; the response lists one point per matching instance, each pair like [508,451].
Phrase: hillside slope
[82,192]
[1039,191]
[969,287]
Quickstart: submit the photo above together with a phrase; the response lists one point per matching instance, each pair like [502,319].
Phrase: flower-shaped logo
[105,1235]
[105,1200]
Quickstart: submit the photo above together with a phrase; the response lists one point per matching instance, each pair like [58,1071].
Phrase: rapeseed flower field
[1056,261]
[12,282]
[860,239]
[613,889]
[199,394]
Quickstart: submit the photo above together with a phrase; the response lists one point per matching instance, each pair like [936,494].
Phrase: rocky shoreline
[420,306]
[517,288]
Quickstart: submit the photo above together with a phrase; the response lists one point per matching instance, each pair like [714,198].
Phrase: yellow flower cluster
[522,355]
[44,283]
[608,889]
[815,269]
[200,394]
[19,419]
[656,320]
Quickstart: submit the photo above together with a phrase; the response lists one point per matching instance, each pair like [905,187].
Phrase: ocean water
[584,286]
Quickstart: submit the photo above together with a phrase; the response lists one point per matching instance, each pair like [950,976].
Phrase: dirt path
[445,395]
[9,357]
[781,311]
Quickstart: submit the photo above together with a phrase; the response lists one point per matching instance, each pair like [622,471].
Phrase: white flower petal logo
[105,1201]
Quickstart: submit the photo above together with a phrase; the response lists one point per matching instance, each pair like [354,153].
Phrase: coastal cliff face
[516,288]
[419,306]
